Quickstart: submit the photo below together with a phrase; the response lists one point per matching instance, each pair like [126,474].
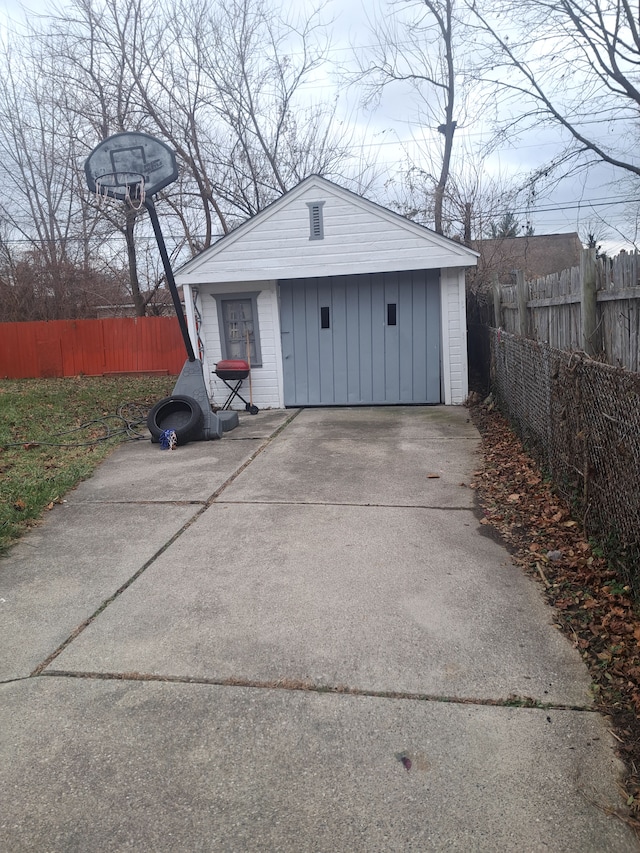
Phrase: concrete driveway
[296,638]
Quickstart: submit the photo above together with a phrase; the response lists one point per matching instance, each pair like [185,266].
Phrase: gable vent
[316,224]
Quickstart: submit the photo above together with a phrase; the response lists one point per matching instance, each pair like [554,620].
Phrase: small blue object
[168,439]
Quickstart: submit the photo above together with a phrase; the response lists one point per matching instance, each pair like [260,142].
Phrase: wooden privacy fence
[594,308]
[91,347]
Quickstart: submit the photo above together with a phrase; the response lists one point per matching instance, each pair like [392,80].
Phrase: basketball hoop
[132,167]
[127,186]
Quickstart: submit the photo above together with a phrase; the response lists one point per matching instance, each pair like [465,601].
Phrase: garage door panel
[378,328]
[420,339]
[363,339]
[312,334]
[432,324]
[354,323]
[326,366]
[408,340]
[339,301]
[286,328]
[391,341]
[300,359]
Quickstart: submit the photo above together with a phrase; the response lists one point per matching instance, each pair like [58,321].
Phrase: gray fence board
[554,305]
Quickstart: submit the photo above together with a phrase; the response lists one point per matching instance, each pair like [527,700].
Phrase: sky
[591,202]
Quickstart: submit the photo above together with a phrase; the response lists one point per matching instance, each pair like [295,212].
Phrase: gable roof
[360,236]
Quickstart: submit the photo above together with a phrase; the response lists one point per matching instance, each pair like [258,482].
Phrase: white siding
[454,336]
[267,379]
[359,237]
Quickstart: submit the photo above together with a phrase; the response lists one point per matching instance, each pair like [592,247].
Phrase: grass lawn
[80,412]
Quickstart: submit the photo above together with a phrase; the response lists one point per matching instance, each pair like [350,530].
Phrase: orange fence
[91,347]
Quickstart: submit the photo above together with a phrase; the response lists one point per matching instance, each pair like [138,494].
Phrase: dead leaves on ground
[594,607]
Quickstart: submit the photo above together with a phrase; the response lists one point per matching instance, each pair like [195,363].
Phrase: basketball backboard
[130,164]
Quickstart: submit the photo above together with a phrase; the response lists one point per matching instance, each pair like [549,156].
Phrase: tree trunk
[138,301]
[448,130]
[467,223]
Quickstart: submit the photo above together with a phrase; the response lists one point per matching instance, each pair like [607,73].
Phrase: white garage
[336,300]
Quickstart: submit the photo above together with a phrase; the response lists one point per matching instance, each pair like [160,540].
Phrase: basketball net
[134,192]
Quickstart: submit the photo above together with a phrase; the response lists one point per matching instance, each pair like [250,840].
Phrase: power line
[573,206]
[584,204]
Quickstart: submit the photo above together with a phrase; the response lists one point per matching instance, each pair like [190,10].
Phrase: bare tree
[473,200]
[222,84]
[98,44]
[39,207]
[56,98]
[419,45]
[35,179]
[231,102]
[571,63]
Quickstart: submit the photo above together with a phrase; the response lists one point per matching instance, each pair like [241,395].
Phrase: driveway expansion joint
[243,438]
[257,502]
[14,680]
[143,503]
[297,685]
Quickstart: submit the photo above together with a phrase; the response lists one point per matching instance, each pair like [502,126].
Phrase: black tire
[181,414]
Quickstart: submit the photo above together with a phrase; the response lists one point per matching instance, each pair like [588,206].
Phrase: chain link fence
[581,420]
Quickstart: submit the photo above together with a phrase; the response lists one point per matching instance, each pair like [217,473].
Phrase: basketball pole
[148,203]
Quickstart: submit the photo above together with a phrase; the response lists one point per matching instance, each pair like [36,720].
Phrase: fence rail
[581,419]
[594,308]
[91,347]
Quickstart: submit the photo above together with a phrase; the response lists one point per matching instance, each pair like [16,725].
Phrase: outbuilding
[335,300]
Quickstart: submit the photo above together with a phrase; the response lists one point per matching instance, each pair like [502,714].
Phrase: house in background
[536,256]
[337,301]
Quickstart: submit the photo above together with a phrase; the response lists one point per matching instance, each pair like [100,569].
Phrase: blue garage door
[363,339]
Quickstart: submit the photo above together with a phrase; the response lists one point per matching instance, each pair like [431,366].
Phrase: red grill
[234,370]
